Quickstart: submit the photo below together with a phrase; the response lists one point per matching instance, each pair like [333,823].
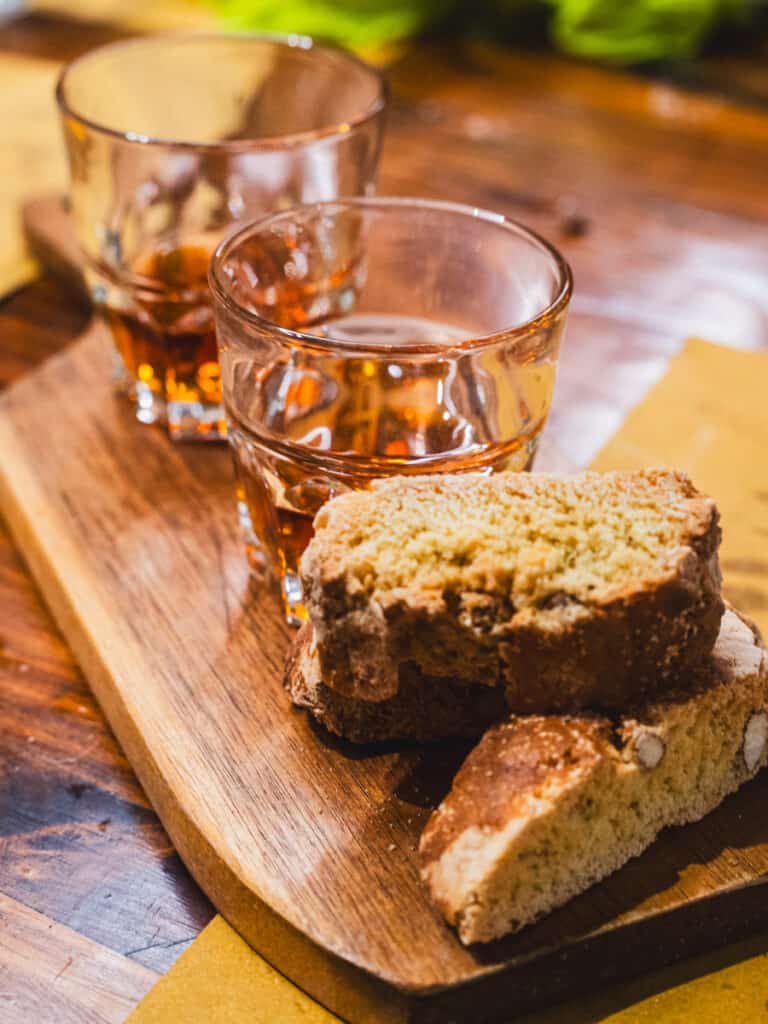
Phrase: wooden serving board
[306,845]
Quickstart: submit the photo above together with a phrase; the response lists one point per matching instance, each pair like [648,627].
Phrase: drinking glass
[172,140]
[365,337]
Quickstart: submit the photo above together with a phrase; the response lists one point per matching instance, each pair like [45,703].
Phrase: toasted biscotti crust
[545,806]
[522,579]
[422,710]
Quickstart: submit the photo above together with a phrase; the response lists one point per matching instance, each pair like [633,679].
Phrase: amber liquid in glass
[162,324]
[326,426]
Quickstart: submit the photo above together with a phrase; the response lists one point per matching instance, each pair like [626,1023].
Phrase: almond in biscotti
[571,591]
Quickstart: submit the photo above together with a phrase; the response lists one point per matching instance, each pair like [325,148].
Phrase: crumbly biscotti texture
[544,807]
[422,710]
[573,591]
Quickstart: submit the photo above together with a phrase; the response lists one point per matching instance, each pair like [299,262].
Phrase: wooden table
[657,195]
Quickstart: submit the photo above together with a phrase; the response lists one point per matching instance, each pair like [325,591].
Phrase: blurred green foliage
[356,23]
[638,30]
[619,31]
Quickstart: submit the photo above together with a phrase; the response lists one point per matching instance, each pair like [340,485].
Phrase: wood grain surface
[306,846]
[49,972]
[79,841]
[78,838]
[639,181]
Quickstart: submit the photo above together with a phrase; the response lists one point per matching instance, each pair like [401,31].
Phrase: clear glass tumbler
[172,140]
[365,337]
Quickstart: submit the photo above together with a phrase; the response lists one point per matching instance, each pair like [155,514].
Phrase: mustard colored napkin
[32,159]
[220,980]
[708,415]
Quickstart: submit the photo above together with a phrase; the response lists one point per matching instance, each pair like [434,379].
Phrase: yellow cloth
[32,157]
[220,980]
[708,415]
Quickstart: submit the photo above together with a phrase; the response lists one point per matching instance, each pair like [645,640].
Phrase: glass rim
[308,340]
[272,142]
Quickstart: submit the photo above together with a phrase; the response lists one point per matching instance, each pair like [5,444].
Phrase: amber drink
[364,338]
[161,321]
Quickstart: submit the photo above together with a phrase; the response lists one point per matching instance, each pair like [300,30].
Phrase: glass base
[185,421]
[195,421]
[262,571]
[293,600]
[150,408]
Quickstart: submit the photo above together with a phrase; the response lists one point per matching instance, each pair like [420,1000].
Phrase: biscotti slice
[422,709]
[576,591]
[545,806]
